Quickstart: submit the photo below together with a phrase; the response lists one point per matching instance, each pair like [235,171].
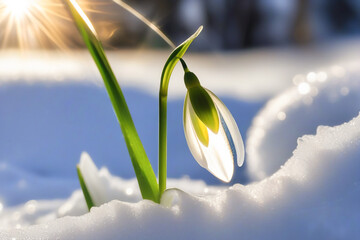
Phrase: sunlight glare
[33,24]
[83,16]
[18,8]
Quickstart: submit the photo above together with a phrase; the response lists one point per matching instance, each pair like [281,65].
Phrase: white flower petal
[224,147]
[219,156]
[190,134]
[233,129]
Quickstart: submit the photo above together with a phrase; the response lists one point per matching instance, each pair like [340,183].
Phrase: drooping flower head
[210,130]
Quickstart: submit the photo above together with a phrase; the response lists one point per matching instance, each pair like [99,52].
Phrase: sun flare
[31,24]
[18,8]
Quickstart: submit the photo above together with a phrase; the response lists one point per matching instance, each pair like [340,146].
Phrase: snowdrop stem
[163,134]
[186,69]
[162,143]
[170,64]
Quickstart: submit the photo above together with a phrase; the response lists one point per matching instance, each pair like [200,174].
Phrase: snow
[302,148]
[103,188]
[330,96]
[314,195]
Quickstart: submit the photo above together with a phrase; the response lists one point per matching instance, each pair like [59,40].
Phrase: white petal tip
[224,176]
[226,180]
[240,162]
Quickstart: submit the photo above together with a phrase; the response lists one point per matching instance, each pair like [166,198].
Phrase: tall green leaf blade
[87,196]
[143,170]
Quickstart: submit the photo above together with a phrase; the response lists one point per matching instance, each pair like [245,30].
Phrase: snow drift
[315,194]
[329,97]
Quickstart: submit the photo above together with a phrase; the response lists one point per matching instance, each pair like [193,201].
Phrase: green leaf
[87,196]
[143,169]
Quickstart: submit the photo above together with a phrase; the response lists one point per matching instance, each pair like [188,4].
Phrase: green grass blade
[87,196]
[165,78]
[143,170]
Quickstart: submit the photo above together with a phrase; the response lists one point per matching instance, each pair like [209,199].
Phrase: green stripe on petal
[204,108]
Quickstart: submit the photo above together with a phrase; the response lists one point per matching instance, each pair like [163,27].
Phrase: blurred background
[229,24]
[239,24]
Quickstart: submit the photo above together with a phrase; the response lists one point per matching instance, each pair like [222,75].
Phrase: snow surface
[330,96]
[310,187]
[315,195]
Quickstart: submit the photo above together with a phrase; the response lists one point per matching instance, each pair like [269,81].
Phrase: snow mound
[103,188]
[315,195]
[328,97]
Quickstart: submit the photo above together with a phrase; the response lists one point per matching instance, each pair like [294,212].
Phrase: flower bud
[210,130]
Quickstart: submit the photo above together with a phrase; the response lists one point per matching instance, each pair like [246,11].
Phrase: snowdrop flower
[210,130]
